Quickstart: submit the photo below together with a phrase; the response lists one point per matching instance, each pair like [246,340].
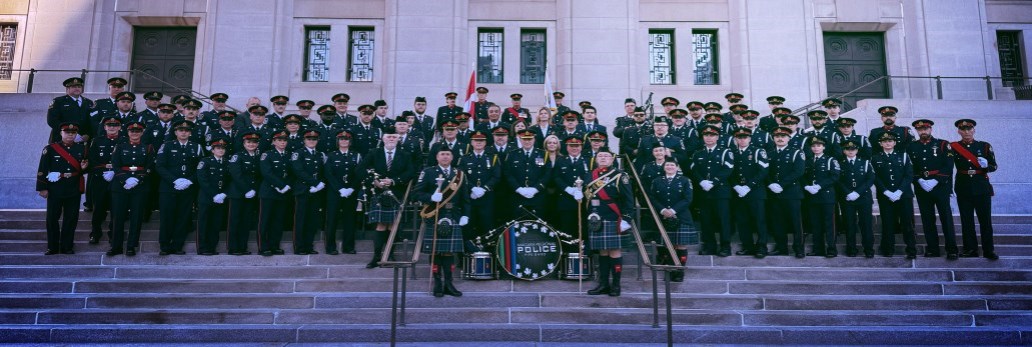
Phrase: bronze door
[168,55]
[852,60]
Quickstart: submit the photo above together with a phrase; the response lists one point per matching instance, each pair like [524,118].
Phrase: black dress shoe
[851,253]
[68,251]
[267,253]
[707,252]
[745,252]
[778,252]
[911,256]
[163,253]
[180,252]
[969,254]
[113,252]
[991,256]
[94,240]
[131,252]
[599,290]
[952,256]
[51,252]
[932,255]
[332,252]
[724,253]
[301,253]
[278,252]
[814,254]
[311,252]
[372,264]
[831,255]
[245,253]
[800,255]
[868,255]
[207,253]
[349,251]
[761,254]
[450,289]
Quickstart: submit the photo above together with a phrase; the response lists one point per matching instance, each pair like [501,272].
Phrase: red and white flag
[471,92]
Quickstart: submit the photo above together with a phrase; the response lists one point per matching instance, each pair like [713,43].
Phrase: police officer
[525,172]
[177,165]
[974,161]
[218,104]
[760,138]
[893,174]
[213,178]
[631,134]
[70,108]
[225,129]
[516,113]
[123,111]
[610,208]
[711,168]
[198,132]
[340,107]
[569,175]
[279,110]
[787,166]
[449,141]
[480,105]
[342,177]
[671,195]
[306,167]
[822,173]
[854,193]
[661,134]
[256,124]
[483,170]
[769,122]
[59,179]
[424,123]
[275,187]
[622,121]
[444,191]
[748,199]
[449,110]
[902,133]
[132,161]
[103,172]
[364,136]
[409,141]
[244,177]
[149,115]
[570,127]
[304,109]
[933,175]
[846,133]
[559,107]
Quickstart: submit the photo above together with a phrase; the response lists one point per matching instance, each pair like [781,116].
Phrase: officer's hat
[405,114]
[775,100]
[366,109]
[630,100]
[117,82]
[478,136]
[584,104]
[734,96]
[258,110]
[571,115]
[379,103]
[499,131]
[218,143]
[558,95]
[251,136]
[153,96]
[657,144]
[709,130]
[463,116]
[742,132]
[781,131]
[850,144]
[340,97]
[678,113]
[922,123]
[326,109]
[449,125]
[279,99]
[790,119]
[738,107]
[280,135]
[482,90]
[135,126]
[713,118]
[219,97]
[388,131]
[420,99]
[70,127]
[662,120]
[183,125]
[167,107]
[573,141]
[292,118]
[305,104]
[111,120]
[781,110]
[596,135]
[516,96]
[831,102]
[74,81]
[846,122]
[179,99]
[312,134]
[886,110]
[750,114]
[670,101]
[694,104]
[713,106]
[193,104]
[343,134]
[639,110]
[125,96]
[817,114]
[965,123]
[451,95]
[815,140]
[525,134]
[887,136]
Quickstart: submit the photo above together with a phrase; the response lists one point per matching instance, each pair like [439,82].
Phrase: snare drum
[528,250]
[479,266]
[575,268]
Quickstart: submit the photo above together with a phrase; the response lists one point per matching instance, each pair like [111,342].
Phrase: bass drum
[528,250]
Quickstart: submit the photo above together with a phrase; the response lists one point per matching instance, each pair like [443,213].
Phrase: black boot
[378,241]
[438,286]
[603,277]
[617,265]
[678,276]
[449,288]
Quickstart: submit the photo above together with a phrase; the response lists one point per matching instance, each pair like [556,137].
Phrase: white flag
[549,98]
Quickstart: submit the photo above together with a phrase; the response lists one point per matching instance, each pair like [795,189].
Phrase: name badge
[539,161]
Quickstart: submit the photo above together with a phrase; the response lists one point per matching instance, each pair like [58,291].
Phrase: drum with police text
[528,250]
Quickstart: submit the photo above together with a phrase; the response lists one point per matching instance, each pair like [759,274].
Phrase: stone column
[426,51]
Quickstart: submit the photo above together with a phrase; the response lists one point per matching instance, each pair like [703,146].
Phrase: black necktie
[390,159]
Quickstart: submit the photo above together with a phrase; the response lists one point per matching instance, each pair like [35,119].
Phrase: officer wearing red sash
[974,161]
[60,181]
[610,210]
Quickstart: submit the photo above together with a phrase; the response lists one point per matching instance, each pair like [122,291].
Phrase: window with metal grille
[704,47]
[532,56]
[317,53]
[661,56]
[7,37]
[489,55]
[1008,44]
[360,60]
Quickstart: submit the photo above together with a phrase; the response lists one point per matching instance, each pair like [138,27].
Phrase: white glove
[813,189]
[927,185]
[130,183]
[532,191]
[284,189]
[182,183]
[706,185]
[887,194]
[983,162]
[313,189]
[742,191]
[463,220]
[578,196]
[319,186]
[624,225]
[341,191]
[898,194]
[78,138]
[436,197]
[524,192]
[109,175]
[477,192]
[249,194]
[852,196]
[53,176]
[776,188]
[346,192]
[571,190]
[219,198]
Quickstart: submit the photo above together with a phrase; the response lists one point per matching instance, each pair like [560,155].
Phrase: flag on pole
[549,98]
[471,91]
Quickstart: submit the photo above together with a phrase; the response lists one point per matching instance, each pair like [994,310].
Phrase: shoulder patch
[624,179]
[421,175]
[264,155]
[200,165]
[293,156]
[233,159]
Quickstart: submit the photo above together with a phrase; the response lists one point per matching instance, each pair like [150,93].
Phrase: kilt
[380,214]
[686,234]
[452,243]
[607,237]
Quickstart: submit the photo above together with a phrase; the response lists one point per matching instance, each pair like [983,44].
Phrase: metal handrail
[398,309]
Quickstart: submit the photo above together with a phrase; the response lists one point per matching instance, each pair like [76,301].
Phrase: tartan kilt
[686,234]
[452,243]
[382,214]
[606,237]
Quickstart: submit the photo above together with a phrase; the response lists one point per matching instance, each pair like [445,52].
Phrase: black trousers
[62,218]
[101,199]
[822,227]
[241,221]
[928,203]
[270,224]
[858,217]
[210,218]
[482,219]
[716,220]
[176,218]
[969,205]
[127,205]
[306,220]
[893,214]
[786,217]
[340,212]
[750,216]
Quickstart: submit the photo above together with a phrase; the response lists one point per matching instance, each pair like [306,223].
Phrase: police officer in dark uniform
[796,140]
[211,117]
[213,178]
[409,141]
[224,129]
[59,179]
[257,125]
[568,175]
[244,177]
[70,108]
[671,195]
[560,109]
[364,136]
[340,106]
[821,127]
[424,123]
[610,208]
[627,119]
[901,133]
[464,129]
[177,165]
[661,135]
[631,134]
[483,168]
[769,122]
[525,173]
[343,178]
[480,105]
[444,191]
[275,172]
[198,132]
[679,125]
[279,110]
[449,141]
[933,178]
[787,166]
[724,140]
[893,175]
[846,133]
[132,161]
[123,111]
[115,85]
[516,113]
[306,167]
[821,175]
[103,173]
[304,109]
[329,126]
[449,110]
[854,192]
[155,133]
[149,114]
[295,136]
[711,169]
[748,180]
[974,161]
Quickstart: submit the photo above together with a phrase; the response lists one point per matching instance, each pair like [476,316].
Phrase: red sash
[515,113]
[76,166]
[605,196]
[957,147]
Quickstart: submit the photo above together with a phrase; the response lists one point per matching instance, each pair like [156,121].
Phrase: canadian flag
[471,92]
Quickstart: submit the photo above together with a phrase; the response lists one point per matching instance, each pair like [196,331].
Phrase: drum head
[528,250]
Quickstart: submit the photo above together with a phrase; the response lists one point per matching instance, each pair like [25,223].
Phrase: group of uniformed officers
[706,173]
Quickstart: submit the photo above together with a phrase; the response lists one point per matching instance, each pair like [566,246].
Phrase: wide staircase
[90,297]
